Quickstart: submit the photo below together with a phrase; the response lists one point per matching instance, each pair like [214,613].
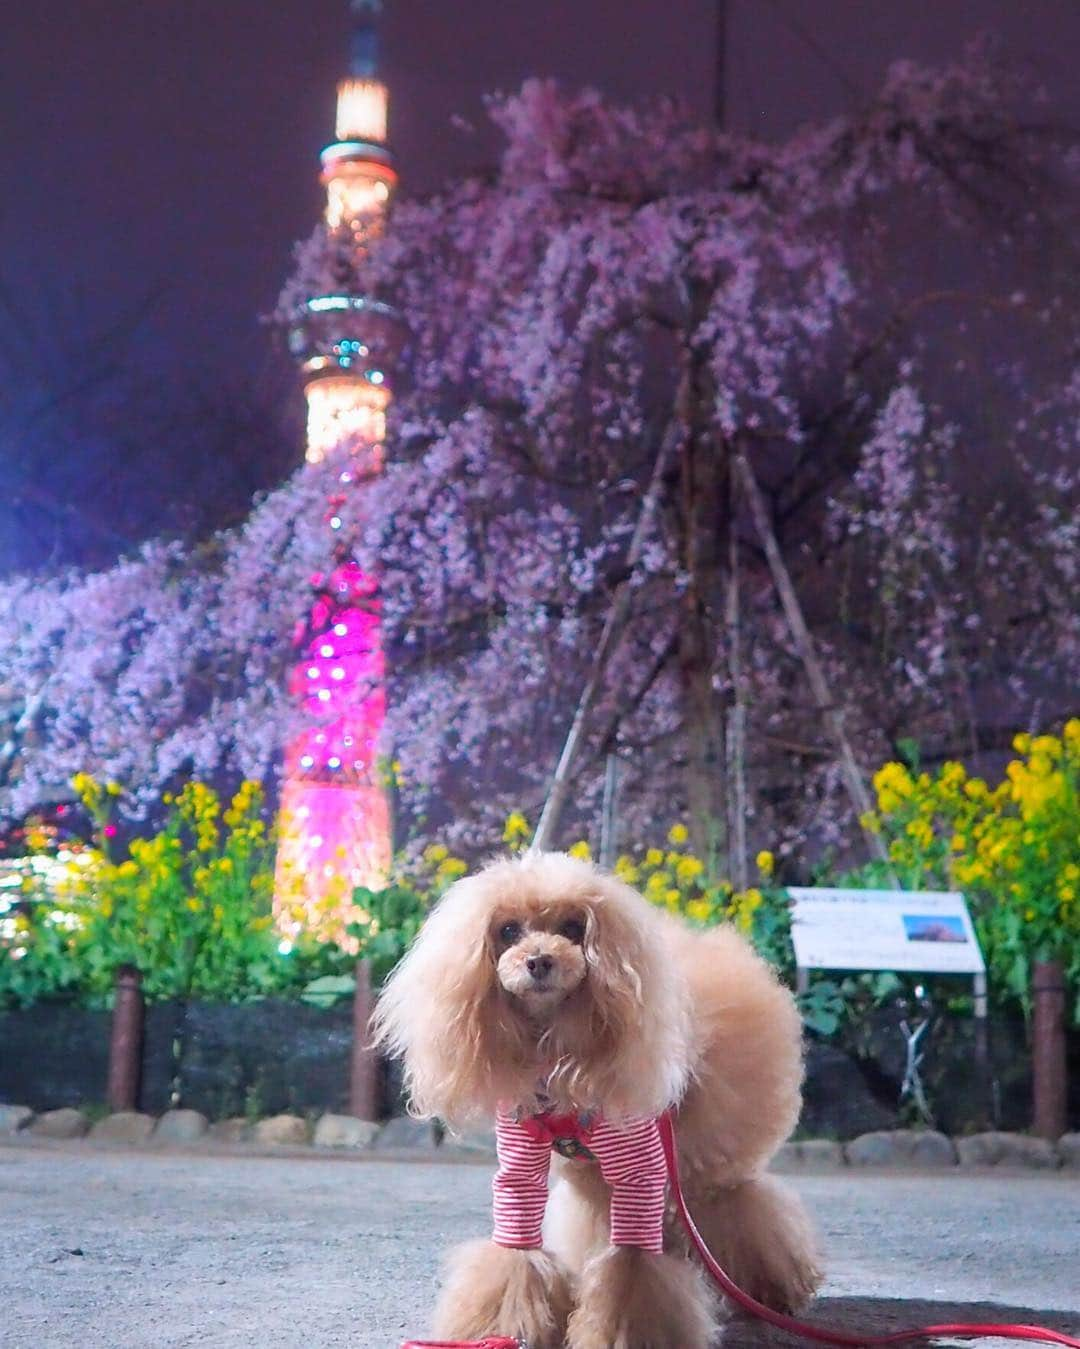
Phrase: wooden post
[607,813]
[1048,1049]
[126,1041]
[364,1068]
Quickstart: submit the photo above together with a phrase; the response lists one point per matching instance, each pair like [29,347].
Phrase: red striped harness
[629,1154]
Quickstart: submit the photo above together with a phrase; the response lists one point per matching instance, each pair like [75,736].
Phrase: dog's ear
[441,1013]
[634,1051]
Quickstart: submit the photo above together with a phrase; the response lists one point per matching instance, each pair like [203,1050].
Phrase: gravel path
[107,1249]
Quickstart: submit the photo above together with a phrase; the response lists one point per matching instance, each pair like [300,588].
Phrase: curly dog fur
[548,968]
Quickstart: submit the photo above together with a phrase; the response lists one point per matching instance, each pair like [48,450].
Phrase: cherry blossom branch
[613,627]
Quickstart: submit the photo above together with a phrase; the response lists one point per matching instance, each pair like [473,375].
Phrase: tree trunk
[704,721]
[1049,1069]
[737,800]
[704,518]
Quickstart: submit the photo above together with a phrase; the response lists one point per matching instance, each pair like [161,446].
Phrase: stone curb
[896,1149]
[13,1118]
[125,1126]
[901,1148]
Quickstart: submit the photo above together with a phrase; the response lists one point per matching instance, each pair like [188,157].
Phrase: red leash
[817,1333]
[492,1342]
[800,1329]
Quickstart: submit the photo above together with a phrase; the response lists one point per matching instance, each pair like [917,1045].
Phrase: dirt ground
[105,1249]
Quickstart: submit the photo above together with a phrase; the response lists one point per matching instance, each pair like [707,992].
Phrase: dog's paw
[492,1290]
[633,1299]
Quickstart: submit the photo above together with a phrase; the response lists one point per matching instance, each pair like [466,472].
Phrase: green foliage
[823,1006]
[328,989]
[394,918]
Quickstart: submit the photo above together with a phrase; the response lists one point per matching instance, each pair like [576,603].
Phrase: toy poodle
[548,995]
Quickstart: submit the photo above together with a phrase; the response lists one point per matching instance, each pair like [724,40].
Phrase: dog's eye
[509,933]
[573,930]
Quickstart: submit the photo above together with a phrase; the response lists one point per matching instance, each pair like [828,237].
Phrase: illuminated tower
[334,826]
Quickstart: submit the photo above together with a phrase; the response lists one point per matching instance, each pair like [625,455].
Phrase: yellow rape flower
[678,834]
[921,832]
[626,870]
[516,828]
[765,862]
[893,785]
[581,850]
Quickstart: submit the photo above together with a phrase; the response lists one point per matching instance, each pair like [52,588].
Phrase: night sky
[163,157]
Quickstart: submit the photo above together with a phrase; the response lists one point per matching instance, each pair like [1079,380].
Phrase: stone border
[897,1149]
[926,1149]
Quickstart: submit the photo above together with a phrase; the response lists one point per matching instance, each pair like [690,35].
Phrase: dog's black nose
[539,966]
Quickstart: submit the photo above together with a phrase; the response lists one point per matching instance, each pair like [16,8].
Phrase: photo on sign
[934,927]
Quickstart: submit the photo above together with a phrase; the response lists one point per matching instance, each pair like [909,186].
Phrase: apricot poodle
[548,995]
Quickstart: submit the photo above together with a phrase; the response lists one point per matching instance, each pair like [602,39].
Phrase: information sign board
[919,931]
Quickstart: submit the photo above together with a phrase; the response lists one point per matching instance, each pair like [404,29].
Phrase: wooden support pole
[804,645]
[607,812]
[1048,1049]
[126,1041]
[364,1067]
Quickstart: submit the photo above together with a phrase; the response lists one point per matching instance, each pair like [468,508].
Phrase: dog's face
[540,965]
[539,955]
